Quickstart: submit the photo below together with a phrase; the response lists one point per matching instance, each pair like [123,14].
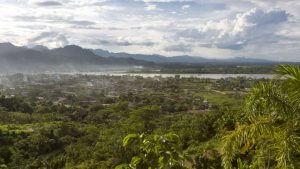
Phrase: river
[151,75]
[209,76]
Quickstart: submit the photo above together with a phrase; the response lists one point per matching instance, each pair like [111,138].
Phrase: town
[98,111]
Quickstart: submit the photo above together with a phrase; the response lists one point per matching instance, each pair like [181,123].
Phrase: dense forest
[90,122]
[221,69]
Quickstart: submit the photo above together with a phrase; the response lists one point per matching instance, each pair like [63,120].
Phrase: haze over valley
[149,84]
[72,58]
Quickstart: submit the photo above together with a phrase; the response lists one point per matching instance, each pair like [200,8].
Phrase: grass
[220,98]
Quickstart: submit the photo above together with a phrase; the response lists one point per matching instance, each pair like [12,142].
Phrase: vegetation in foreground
[132,122]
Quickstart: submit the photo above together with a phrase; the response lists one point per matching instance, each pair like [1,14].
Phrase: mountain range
[69,58]
[75,58]
[177,59]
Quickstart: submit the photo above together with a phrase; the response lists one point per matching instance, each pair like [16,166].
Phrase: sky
[265,29]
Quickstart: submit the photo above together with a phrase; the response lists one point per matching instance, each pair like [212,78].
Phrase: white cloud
[50,39]
[209,28]
[254,26]
[151,7]
[184,7]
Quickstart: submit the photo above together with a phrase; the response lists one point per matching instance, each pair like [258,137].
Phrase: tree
[144,117]
[269,138]
[154,151]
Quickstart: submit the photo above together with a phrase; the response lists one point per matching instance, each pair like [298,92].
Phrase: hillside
[177,59]
[68,58]
[77,59]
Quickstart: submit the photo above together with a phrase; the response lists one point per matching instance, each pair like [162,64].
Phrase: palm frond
[270,143]
[267,98]
[270,137]
[243,138]
[290,71]
[291,83]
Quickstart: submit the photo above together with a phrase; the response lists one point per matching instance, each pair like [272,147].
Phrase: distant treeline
[215,69]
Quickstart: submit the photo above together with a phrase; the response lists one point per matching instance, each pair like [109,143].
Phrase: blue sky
[267,29]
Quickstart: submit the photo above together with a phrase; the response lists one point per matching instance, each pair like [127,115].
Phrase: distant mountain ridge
[176,59]
[75,58]
[69,58]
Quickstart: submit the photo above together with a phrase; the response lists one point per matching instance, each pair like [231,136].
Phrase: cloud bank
[252,27]
[214,29]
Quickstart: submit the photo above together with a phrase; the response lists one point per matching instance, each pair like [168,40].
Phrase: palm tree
[269,137]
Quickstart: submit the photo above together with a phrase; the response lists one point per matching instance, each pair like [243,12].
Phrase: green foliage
[154,151]
[66,124]
[143,118]
[270,136]
[15,104]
